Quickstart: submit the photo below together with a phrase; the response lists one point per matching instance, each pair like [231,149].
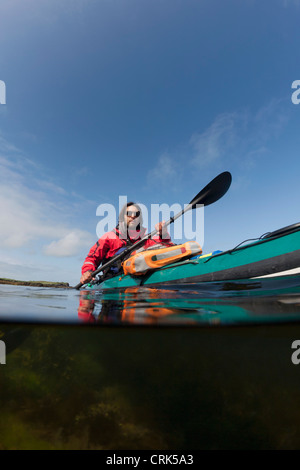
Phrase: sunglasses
[133,214]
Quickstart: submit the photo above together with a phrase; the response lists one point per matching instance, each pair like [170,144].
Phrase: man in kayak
[128,231]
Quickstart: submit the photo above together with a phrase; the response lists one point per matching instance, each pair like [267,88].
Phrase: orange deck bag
[154,258]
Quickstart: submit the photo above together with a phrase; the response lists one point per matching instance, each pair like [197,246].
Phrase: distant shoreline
[16,282]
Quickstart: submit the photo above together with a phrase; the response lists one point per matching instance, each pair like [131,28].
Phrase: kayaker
[128,231]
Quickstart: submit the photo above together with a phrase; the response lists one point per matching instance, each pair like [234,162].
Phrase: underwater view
[203,366]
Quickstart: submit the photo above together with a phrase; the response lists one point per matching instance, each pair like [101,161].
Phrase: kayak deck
[264,257]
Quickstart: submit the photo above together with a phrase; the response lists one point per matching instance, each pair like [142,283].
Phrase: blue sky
[145,98]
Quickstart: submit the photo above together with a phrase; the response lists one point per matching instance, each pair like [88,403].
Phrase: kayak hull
[265,257]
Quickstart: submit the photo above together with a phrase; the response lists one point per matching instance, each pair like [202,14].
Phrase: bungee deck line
[265,256]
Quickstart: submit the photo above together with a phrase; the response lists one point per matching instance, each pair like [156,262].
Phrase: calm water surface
[275,299]
[107,370]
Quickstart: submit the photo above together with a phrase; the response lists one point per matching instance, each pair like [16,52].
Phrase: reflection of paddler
[93,311]
[133,306]
[86,308]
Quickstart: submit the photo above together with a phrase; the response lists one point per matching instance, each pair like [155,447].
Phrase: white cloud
[165,172]
[31,211]
[69,245]
[49,185]
[21,217]
[212,144]
[242,136]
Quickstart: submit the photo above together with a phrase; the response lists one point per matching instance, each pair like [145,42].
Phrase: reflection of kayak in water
[275,253]
[256,301]
[123,308]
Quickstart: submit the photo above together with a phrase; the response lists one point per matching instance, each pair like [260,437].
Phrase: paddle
[208,195]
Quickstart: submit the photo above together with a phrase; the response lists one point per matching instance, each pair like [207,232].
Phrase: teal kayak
[276,253]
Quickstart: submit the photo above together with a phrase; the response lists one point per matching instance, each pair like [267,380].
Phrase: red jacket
[107,246]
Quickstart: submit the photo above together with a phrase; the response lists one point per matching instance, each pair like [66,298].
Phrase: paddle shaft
[129,249]
[211,193]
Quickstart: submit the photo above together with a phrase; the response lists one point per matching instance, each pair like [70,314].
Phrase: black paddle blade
[211,193]
[214,190]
